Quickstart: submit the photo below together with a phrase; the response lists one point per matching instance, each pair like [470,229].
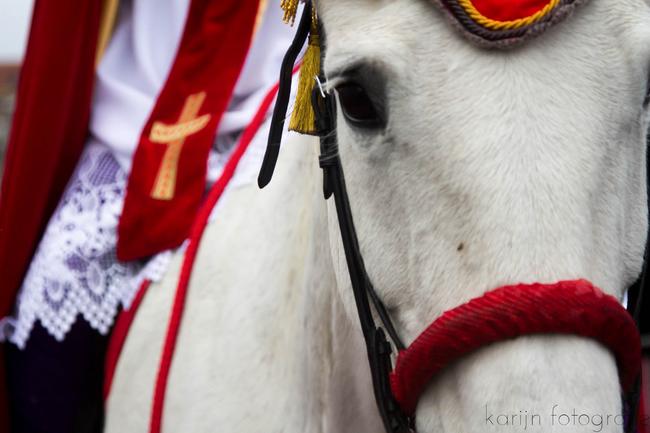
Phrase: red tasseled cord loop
[568,307]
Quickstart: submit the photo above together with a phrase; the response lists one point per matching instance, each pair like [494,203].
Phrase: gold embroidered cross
[174,137]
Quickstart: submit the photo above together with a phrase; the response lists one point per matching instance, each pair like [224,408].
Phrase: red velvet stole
[167,181]
[48,134]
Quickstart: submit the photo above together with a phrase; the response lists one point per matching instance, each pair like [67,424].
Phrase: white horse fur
[496,167]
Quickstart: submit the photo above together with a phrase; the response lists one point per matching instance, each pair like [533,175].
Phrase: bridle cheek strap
[568,307]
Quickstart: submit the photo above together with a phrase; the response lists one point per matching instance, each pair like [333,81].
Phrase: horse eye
[358,108]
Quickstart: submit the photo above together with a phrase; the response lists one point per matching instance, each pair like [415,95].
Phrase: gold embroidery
[109,15]
[261,9]
[174,137]
[161,133]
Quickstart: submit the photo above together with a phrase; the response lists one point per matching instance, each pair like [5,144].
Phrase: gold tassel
[290,8]
[303,118]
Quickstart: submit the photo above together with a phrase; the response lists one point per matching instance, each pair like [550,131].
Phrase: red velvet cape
[48,134]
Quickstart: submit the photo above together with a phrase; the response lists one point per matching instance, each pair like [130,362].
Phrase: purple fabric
[56,387]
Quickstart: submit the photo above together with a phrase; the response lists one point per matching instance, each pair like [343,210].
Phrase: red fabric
[211,55]
[48,132]
[190,256]
[47,136]
[510,10]
[118,337]
[644,406]
[569,307]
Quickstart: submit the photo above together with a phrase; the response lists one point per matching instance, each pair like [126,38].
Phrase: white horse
[495,167]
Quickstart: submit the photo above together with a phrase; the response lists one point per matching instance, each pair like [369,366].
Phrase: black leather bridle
[375,336]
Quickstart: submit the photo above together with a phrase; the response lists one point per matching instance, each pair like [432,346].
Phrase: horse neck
[549,377]
[334,389]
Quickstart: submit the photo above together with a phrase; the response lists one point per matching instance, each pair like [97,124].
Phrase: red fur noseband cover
[568,307]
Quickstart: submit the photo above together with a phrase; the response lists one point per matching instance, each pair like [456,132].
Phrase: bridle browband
[584,309]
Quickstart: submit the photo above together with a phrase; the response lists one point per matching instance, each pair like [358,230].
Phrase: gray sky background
[14,23]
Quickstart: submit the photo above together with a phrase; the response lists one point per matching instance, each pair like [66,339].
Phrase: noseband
[565,308]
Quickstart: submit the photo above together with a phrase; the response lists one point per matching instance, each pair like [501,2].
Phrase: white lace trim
[75,271]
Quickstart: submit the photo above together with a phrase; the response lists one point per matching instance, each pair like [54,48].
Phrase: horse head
[470,167]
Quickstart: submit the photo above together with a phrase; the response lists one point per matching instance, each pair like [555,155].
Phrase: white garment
[75,271]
